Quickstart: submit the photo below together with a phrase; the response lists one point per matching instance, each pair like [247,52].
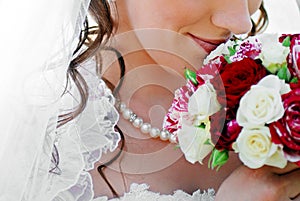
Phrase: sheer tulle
[38,38]
[86,138]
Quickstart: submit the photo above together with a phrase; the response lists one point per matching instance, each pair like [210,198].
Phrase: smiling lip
[207,45]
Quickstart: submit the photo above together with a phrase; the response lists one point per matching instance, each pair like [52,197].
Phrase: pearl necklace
[145,128]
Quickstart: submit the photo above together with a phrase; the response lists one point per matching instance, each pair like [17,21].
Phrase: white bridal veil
[37,41]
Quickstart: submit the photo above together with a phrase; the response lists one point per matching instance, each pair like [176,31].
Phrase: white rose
[258,106]
[256,149]
[220,50]
[273,82]
[273,53]
[203,102]
[193,143]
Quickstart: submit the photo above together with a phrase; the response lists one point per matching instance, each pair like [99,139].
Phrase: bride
[139,50]
[157,39]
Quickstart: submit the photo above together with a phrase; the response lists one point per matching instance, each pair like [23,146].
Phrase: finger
[291,183]
[287,169]
[296,198]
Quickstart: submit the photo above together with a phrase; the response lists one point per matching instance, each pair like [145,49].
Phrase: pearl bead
[154,132]
[133,116]
[145,128]
[137,122]
[122,107]
[164,135]
[173,139]
[127,113]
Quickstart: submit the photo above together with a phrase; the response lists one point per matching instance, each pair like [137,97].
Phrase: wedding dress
[94,133]
[140,192]
[35,60]
[40,162]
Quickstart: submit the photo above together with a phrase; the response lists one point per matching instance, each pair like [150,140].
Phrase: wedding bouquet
[246,99]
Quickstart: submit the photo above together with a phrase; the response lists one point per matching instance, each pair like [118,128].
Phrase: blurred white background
[284,16]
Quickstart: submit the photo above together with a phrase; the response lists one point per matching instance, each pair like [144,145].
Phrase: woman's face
[206,23]
[211,20]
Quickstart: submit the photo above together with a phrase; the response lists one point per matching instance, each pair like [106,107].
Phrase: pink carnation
[293,58]
[179,108]
[247,49]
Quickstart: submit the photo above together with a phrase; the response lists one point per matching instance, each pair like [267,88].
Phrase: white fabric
[140,192]
[80,143]
[37,41]
[93,132]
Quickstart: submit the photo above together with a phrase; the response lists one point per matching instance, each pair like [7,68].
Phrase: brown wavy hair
[94,40]
[91,41]
[261,23]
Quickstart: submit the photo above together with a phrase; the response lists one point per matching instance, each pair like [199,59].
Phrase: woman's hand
[263,184]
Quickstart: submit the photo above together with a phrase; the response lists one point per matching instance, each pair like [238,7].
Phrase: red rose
[237,78]
[286,131]
[223,137]
[295,85]
[223,132]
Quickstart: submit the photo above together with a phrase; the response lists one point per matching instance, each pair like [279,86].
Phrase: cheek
[164,14]
[146,19]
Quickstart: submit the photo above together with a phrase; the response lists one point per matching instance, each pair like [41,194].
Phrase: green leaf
[208,142]
[202,125]
[218,159]
[190,75]
[176,147]
[284,73]
[232,50]
[294,80]
[227,58]
[274,67]
[287,41]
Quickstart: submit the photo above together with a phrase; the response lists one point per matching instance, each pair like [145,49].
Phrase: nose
[234,17]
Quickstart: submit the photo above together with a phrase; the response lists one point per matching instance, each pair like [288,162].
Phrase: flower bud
[218,158]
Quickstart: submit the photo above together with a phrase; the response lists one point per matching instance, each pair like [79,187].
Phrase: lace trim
[140,192]
[93,132]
